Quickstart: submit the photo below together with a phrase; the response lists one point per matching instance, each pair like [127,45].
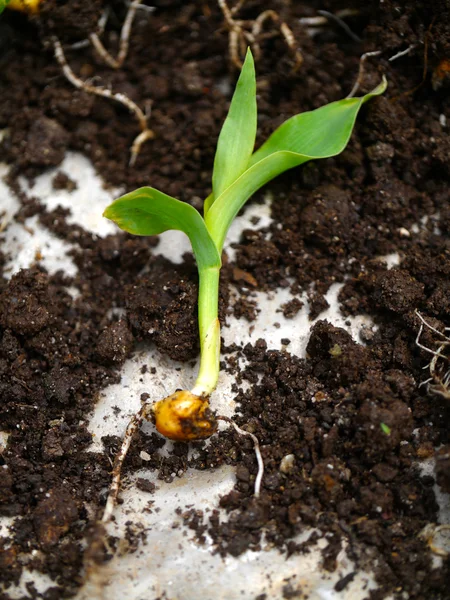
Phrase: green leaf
[385,429]
[208,203]
[322,133]
[226,207]
[147,211]
[3,5]
[237,137]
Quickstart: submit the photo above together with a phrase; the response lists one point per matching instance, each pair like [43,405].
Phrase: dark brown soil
[353,416]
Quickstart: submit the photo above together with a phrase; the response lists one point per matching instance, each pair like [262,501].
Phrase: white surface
[190,571]
[87,202]
[32,243]
[9,204]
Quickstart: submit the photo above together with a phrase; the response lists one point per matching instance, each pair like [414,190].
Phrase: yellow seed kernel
[184,417]
[27,6]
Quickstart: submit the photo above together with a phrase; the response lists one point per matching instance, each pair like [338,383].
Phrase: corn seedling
[238,173]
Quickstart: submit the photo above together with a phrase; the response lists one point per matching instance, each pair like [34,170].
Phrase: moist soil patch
[341,431]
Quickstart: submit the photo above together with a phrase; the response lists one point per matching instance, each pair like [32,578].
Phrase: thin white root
[402,53]
[100,29]
[237,7]
[227,13]
[136,145]
[259,459]
[290,41]
[436,384]
[242,33]
[94,38]
[360,77]
[133,425]
[146,133]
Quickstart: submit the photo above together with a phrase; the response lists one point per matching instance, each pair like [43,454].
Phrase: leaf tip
[249,55]
[381,87]
[107,212]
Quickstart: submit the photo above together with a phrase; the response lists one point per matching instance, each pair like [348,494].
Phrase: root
[249,33]
[360,77]
[94,38]
[259,476]
[133,425]
[95,579]
[402,53]
[145,413]
[97,541]
[437,384]
[146,133]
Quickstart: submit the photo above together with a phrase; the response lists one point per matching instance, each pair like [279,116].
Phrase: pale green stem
[209,330]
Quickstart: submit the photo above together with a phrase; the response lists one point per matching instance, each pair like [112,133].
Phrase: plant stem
[209,330]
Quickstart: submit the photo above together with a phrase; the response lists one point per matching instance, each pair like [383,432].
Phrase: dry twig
[146,133]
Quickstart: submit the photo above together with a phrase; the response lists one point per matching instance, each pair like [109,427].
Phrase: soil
[350,477]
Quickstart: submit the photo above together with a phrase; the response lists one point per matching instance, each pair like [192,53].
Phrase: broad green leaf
[320,133]
[319,137]
[237,137]
[147,211]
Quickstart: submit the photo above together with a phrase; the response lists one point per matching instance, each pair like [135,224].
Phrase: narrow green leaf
[208,203]
[226,207]
[320,133]
[237,137]
[323,133]
[147,211]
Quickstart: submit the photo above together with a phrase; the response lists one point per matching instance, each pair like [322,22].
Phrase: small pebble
[287,464]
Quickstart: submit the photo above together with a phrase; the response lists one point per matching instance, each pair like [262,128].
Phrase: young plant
[238,173]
